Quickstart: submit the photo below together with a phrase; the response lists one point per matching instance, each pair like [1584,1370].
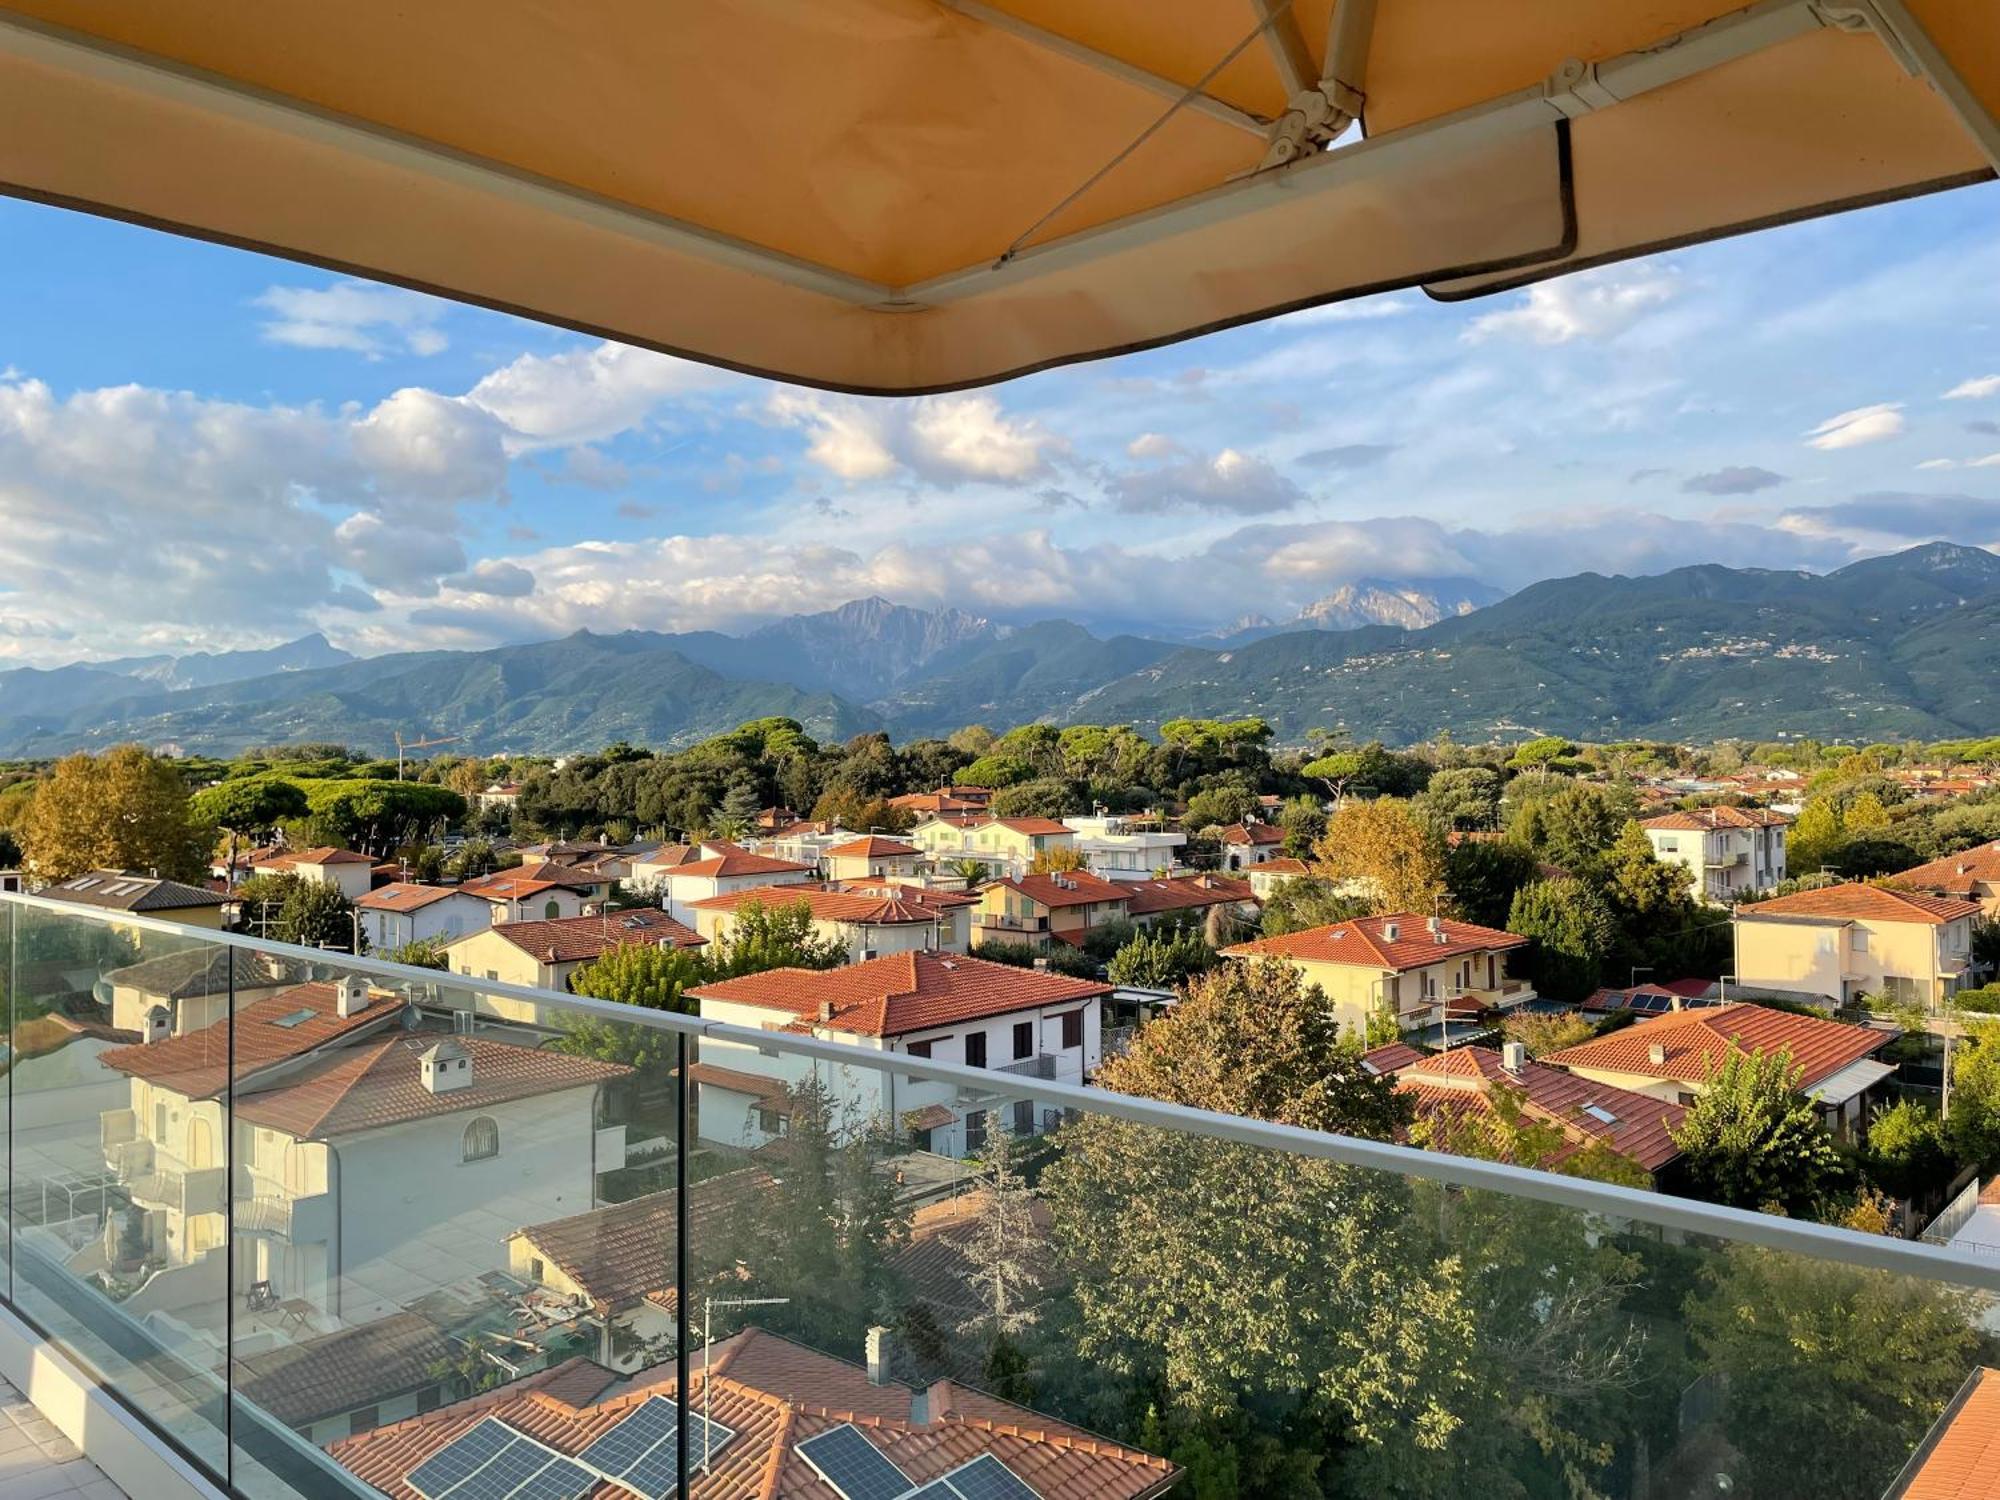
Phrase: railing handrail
[1822,1241]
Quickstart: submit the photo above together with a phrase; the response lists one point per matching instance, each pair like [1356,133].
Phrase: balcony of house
[500,1255]
[1012,926]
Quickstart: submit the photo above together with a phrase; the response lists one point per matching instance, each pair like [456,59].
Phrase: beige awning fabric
[895,196]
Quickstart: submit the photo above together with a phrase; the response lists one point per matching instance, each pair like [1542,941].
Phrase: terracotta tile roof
[1253,834]
[406,895]
[1029,826]
[277,1029]
[359,1366]
[518,885]
[624,1253]
[1856,901]
[563,940]
[115,890]
[325,854]
[668,856]
[935,1269]
[740,862]
[376,1082]
[774,1394]
[1184,893]
[1391,1057]
[770,1093]
[934,802]
[1697,1042]
[1284,865]
[871,846]
[1960,1457]
[1714,819]
[1365,942]
[1463,1079]
[1692,989]
[1070,888]
[902,992]
[870,907]
[1956,874]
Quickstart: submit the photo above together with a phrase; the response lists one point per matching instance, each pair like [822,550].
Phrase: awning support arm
[1318,113]
[1903,34]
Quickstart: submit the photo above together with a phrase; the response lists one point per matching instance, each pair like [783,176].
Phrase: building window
[552,910]
[770,1122]
[364,1419]
[482,1140]
[975,1050]
[1860,941]
[975,1130]
[1072,1032]
[1024,1117]
[536,1270]
[1024,1039]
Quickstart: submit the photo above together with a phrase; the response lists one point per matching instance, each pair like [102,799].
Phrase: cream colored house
[1418,970]
[526,894]
[546,955]
[1971,875]
[347,872]
[719,868]
[1725,852]
[142,895]
[1850,940]
[1006,846]
[869,919]
[871,857]
[193,987]
[353,1138]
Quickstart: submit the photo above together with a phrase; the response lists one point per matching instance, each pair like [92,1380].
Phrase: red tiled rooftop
[1030,826]
[1956,874]
[774,1394]
[1855,901]
[832,903]
[902,992]
[515,885]
[1365,942]
[1960,1458]
[1697,1042]
[404,895]
[740,862]
[197,1064]
[1070,888]
[1253,833]
[376,1083]
[1184,893]
[1714,819]
[1464,1079]
[872,846]
[562,940]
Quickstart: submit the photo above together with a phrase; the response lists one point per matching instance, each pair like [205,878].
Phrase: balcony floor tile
[37,1462]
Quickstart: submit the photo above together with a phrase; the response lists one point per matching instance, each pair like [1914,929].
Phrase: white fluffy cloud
[1976,389]
[1864,424]
[357,316]
[1230,483]
[585,395]
[941,439]
[1587,305]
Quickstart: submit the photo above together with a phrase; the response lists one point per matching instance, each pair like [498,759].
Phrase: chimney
[878,1355]
[444,1067]
[1657,1054]
[159,1025]
[1433,924]
[1514,1056]
[826,1010]
[350,995]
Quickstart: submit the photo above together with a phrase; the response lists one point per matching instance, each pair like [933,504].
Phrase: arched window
[482,1139]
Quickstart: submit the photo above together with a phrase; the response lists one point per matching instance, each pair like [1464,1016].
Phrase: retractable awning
[909,195]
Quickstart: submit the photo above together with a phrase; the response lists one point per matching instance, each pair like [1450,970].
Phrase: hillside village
[1734,972]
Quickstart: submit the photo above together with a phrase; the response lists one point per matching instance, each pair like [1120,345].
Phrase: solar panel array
[494,1462]
[855,1467]
[858,1470]
[642,1452]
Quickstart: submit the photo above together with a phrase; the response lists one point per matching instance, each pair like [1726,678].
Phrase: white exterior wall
[1709,859]
[680,891]
[864,1092]
[455,916]
[406,1200]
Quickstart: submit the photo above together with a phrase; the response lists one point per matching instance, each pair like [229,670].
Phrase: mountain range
[1901,645]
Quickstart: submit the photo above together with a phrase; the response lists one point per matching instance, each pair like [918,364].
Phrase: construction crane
[422,744]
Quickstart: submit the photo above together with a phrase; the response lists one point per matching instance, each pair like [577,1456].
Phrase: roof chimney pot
[1657,1054]
[878,1355]
[350,995]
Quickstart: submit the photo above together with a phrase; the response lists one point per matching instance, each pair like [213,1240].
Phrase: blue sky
[204,449]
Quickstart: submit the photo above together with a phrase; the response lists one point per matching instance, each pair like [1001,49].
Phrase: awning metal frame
[1573,89]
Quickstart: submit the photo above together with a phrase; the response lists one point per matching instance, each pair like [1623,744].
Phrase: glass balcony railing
[461,1239]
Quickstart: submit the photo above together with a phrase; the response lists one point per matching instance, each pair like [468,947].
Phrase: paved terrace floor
[39,1463]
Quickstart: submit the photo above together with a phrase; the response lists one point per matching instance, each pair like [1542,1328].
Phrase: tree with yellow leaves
[126,809]
[1385,854]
